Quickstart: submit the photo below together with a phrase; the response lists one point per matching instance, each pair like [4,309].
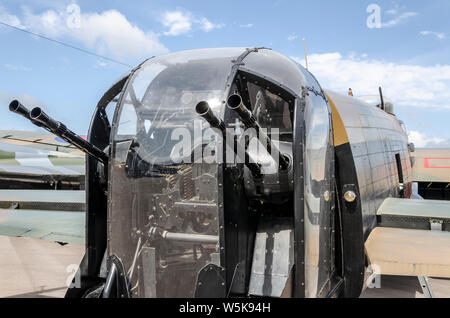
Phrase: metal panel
[149,271]
[374,144]
[319,197]
[273,257]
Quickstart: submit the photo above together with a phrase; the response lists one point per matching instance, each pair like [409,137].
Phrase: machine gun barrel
[235,103]
[41,119]
[16,107]
[205,111]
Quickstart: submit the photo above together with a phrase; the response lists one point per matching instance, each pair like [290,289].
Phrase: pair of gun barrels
[38,117]
[236,104]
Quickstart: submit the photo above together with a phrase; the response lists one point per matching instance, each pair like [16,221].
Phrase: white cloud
[109,33]
[439,35]
[207,25]
[9,18]
[292,37]
[50,23]
[399,19]
[100,64]
[177,22]
[407,85]
[17,67]
[249,25]
[395,9]
[181,22]
[392,11]
[421,140]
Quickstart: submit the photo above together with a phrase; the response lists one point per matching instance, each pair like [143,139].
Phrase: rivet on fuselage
[350,196]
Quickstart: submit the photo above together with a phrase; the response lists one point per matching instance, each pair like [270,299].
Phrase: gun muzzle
[235,103]
[38,116]
[16,107]
[205,111]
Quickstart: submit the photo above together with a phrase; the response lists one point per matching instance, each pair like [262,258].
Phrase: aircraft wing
[412,238]
[30,161]
[53,215]
[37,141]
[26,160]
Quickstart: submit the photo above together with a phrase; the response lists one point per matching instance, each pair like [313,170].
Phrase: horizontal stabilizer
[406,252]
[419,208]
[414,214]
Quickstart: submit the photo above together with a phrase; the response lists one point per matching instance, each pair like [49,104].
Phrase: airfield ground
[36,268]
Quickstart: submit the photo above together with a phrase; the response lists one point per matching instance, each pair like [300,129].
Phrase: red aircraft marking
[426,163]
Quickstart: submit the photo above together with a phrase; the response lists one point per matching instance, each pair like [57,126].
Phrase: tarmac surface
[33,268]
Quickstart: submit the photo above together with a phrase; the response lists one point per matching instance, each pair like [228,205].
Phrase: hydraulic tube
[111,281]
[205,112]
[235,103]
[190,238]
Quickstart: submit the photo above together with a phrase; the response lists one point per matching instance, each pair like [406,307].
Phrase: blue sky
[408,54]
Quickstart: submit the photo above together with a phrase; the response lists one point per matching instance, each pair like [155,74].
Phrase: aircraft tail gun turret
[38,117]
